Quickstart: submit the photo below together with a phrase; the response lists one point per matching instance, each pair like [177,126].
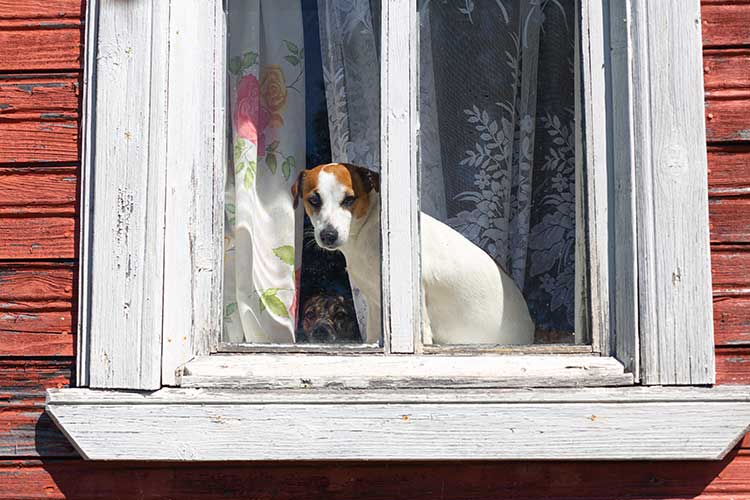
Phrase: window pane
[497,158]
[303,85]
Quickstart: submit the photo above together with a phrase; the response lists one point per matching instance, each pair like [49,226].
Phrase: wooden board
[674,282]
[726,68]
[726,115]
[32,97]
[732,320]
[48,191]
[297,371]
[728,169]
[37,237]
[38,141]
[597,424]
[725,22]
[729,220]
[43,45]
[732,365]
[75,479]
[45,9]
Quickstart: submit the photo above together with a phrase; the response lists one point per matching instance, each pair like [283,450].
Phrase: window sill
[632,423]
[346,371]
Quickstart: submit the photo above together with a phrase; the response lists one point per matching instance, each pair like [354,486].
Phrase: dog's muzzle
[322,333]
[329,236]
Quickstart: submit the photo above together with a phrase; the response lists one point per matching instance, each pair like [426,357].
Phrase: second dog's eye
[314,200]
[348,201]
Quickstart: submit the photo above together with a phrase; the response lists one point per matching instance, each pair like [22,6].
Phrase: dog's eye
[310,315]
[348,201]
[314,200]
[340,316]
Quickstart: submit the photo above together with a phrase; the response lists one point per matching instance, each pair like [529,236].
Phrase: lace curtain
[497,144]
[497,148]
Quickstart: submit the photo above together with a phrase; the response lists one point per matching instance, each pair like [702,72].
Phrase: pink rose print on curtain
[250,118]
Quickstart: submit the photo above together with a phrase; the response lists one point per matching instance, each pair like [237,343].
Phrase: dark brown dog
[329,319]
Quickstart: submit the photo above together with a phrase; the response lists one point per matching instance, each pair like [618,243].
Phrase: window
[153,247]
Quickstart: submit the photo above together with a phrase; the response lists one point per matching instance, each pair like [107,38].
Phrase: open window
[519,205]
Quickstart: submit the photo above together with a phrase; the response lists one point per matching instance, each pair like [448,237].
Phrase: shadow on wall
[76,479]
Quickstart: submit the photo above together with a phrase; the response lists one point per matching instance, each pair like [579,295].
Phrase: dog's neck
[362,249]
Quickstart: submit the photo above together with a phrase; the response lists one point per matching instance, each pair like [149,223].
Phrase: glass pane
[303,86]
[497,163]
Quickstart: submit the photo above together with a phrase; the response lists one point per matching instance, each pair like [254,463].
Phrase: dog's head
[335,195]
[328,319]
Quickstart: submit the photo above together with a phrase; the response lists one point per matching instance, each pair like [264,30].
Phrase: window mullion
[400,271]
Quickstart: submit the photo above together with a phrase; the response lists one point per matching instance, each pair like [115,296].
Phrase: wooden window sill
[626,423]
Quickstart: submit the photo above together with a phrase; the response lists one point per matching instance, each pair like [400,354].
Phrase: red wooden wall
[40,70]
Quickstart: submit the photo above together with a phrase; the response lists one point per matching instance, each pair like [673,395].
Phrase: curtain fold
[267,103]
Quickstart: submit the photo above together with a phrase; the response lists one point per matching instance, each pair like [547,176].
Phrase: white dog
[467,299]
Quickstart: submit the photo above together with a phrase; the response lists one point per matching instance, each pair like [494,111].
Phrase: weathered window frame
[166,337]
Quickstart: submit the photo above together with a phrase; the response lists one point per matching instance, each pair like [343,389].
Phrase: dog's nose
[329,236]
[321,335]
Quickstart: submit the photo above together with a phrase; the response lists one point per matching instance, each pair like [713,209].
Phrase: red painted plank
[74,479]
[37,238]
[36,282]
[38,191]
[24,428]
[730,266]
[726,68]
[733,365]
[38,142]
[729,220]
[728,169]
[29,432]
[34,9]
[732,321]
[40,46]
[725,22]
[39,96]
[727,114]
[23,382]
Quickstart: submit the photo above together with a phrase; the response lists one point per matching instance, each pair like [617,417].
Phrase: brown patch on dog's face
[329,319]
[356,181]
[334,195]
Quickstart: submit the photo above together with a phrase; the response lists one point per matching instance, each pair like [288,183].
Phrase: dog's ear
[297,189]
[370,179]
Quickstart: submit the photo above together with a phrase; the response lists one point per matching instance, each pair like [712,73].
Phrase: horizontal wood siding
[39,95]
[726,69]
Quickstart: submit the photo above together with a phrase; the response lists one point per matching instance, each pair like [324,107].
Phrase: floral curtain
[267,104]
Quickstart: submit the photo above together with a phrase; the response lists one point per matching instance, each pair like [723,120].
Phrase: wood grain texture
[726,69]
[38,141]
[729,220]
[703,425]
[400,276]
[726,23]
[732,321]
[193,233]
[45,46]
[23,381]
[298,371]
[37,237]
[732,365]
[36,9]
[47,191]
[127,223]
[726,116]
[25,430]
[671,184]
[75,479]
[32,97]
[728,170]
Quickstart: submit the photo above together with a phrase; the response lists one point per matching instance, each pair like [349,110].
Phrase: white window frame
[151,268]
